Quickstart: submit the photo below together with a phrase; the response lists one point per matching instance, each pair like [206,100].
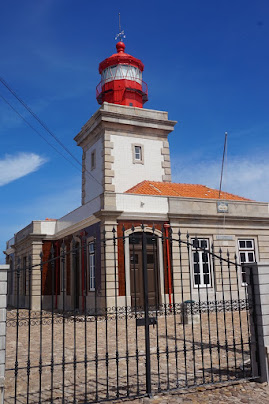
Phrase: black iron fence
[125,316]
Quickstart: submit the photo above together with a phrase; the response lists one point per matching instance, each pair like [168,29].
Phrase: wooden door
[136,271]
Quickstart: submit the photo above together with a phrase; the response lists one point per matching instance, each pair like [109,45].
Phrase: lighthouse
[123,143]
[121,80]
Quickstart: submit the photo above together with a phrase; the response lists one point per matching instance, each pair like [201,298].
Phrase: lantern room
[121,80]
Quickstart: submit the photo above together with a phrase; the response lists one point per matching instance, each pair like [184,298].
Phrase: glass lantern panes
[121,72]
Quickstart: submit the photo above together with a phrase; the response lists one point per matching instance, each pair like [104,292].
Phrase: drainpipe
[166,229]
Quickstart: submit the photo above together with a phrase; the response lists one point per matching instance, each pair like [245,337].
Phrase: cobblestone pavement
[247,392]
[216,348]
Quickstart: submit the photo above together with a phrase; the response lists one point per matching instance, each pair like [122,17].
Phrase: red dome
[120,58]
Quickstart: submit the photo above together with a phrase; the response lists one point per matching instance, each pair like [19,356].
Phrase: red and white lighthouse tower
[121,80]
[123,144]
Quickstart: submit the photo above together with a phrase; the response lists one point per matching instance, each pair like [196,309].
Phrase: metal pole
[146,308]
[222,167]
[166,227]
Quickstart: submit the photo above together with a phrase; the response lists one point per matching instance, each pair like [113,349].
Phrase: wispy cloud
[248,177]
[16,166]
[261,129]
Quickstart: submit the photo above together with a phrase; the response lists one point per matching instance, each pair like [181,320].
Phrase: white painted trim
[89,241]
[135,161]
[256,253]
[202,289]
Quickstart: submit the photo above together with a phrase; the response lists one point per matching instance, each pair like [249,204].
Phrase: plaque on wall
[224,237]
[222,207]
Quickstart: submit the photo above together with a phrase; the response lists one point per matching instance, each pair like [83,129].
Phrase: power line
[45,127]
[35,130]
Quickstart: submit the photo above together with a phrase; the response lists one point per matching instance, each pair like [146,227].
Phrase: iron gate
[129,315]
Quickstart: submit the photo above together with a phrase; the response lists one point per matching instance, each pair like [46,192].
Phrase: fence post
[146,309]
[258,291]
[3,311]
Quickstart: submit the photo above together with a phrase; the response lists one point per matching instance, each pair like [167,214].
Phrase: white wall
[79,214]
[142,203]
[92,187]
[48,227]
[128,174]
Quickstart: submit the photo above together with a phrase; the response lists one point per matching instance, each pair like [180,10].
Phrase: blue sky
[206,63]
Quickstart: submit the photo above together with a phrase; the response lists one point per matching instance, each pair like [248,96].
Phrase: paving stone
[230,393]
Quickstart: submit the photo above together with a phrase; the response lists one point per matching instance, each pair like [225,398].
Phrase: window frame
[141,147]
[76,268]
[200,252]
[246,250]
[91,267]
[93,159]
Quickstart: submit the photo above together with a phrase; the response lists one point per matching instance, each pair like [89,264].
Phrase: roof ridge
[153,186]
[148,187]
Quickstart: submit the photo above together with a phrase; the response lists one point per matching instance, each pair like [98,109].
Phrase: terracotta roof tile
[184,190]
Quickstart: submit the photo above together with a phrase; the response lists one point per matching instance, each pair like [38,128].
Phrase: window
[138,154]
[91,266]
[201,263]
[93,160]
[23,276]
[246,255]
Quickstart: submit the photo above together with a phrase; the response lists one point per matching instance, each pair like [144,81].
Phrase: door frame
[158,234]
[76,270]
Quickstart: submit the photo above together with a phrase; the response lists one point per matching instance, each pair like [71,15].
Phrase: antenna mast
[223,157]
[121,34]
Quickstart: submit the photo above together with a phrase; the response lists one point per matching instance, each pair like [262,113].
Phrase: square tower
[123,146]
